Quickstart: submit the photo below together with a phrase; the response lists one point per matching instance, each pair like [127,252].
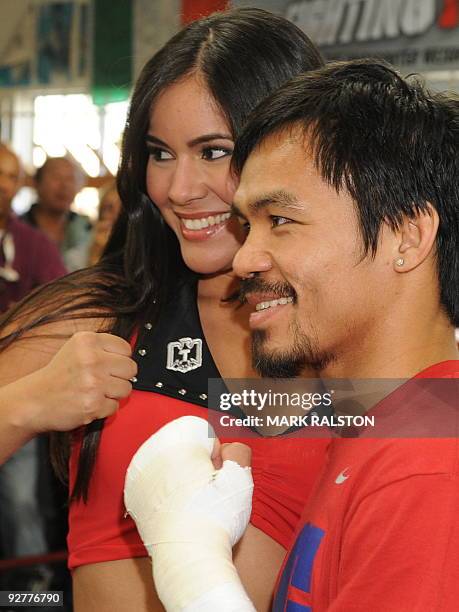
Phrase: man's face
[58,185]
[10,180]
[303,247]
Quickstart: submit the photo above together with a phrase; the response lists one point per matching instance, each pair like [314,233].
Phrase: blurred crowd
[46,242]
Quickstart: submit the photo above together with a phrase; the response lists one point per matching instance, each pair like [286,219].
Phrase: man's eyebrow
[195,141]
[280,199]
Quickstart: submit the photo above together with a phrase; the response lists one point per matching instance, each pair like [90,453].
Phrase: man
[27,257]
[57,183]
[350,194]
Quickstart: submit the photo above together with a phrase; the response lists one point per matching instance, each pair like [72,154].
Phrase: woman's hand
[84,381]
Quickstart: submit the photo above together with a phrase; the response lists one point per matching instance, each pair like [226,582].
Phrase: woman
[160,284]
[109,209]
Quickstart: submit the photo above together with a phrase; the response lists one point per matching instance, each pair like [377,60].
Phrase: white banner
[415,35]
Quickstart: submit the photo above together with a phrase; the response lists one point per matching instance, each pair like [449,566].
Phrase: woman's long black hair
[243,55]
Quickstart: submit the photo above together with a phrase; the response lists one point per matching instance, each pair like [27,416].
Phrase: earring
[399,262]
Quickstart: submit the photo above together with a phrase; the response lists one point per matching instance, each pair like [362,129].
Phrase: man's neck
[398,355]
[52,223]
[50,216]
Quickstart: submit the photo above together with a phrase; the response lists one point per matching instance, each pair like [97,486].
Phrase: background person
[109,211]
[27,257]
[57,183]
[90,252]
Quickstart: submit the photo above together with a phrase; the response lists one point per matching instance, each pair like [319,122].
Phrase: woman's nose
[187,183]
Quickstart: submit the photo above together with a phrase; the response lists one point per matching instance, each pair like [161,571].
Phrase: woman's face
[188,174]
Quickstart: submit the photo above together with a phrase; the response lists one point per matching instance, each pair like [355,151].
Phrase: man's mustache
[258,285]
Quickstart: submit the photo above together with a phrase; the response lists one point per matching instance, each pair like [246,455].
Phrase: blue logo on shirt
[298,571]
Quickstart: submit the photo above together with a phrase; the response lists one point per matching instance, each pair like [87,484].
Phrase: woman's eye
[211,153]
[277,221]
[159,154]
[243,224]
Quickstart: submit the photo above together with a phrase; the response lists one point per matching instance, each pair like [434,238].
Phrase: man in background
[27,257]
[57,183]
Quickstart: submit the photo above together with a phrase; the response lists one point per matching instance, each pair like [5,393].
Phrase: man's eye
[159,154]
[211,153]
[277,221]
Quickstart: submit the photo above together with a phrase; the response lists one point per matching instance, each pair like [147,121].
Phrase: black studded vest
[173,357]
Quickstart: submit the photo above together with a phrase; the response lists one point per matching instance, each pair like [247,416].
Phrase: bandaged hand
[189,515]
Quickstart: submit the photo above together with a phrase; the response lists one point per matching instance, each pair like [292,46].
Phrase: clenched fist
[84,381]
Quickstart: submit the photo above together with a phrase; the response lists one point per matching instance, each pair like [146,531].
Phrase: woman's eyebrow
[208,137]
[195,141]
[155,140]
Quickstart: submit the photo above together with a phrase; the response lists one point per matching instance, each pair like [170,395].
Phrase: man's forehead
[276,165]
[60,165]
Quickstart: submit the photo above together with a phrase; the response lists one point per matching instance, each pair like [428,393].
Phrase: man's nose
[252,257]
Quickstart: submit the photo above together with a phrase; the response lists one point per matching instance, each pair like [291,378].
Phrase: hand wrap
[189,515]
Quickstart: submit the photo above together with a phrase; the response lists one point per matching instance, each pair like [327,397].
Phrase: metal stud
[182,391]
[159,385]
[149,326]
[133,379]
[142,352]
[203,396]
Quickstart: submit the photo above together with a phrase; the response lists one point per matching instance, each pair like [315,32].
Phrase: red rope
[54,557]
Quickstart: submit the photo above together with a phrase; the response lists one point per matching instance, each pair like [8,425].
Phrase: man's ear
[416,237]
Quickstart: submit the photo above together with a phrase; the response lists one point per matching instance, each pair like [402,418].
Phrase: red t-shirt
[284,470]
[381,530]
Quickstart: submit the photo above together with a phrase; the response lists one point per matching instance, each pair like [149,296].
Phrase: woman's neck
[217,286]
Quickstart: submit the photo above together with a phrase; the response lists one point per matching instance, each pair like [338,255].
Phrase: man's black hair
[391,143]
